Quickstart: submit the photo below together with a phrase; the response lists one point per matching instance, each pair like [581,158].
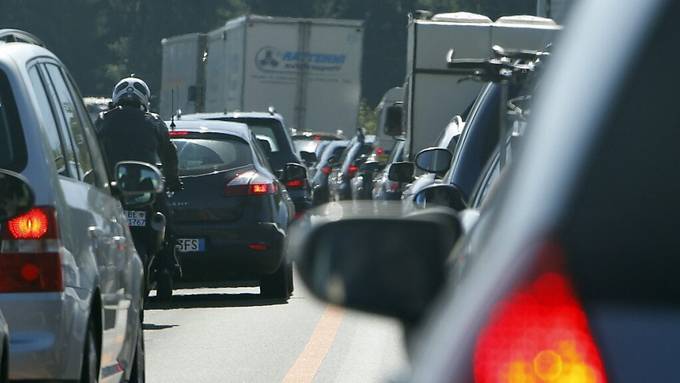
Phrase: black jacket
[130,134]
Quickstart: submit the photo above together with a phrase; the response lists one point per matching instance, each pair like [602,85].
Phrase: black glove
[175,185]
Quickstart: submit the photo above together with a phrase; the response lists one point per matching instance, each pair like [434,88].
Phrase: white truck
[433,95]
[183,76]
[309,70]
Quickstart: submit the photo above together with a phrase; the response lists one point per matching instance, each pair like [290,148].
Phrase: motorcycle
[148,229]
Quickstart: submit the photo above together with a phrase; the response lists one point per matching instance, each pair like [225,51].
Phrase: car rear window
[13,154]
[265,129]
[202,156]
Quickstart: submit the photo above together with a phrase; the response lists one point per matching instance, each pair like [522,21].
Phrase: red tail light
[258,246]
[352,170]
[539,334]
[379,151]
[32,225]
[326,170]
[295,184]
[178,133]
[30,257]
[249,183]
[392,186]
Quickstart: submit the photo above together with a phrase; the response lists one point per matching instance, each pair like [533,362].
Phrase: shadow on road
[211,301]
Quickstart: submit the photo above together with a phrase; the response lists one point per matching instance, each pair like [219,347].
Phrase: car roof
[19,54]
[215,116]
[222,127]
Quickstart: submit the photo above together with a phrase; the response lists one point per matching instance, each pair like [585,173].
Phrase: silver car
[70,277]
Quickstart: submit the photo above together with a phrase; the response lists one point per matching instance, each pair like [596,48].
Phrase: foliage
[368,119]
[103,40]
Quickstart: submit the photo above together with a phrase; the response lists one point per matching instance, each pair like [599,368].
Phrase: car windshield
[201,156]
[12,146]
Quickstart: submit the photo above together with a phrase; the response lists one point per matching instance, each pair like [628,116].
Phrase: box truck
[183,75]
[309,70]
[432,94]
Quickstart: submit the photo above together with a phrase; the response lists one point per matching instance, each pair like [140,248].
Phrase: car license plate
[185,245]
[136,218]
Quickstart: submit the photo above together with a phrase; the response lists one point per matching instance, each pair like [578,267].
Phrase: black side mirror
[393,121]
[332,161]
[338,261]
[138,182]
[441,195]
[16,195]
[434,160]
[401,172]
[294,171]
[361,160]
[308,157]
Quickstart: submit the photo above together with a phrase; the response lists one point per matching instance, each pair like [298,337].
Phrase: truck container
[183,74]
[308,70]
[433,94]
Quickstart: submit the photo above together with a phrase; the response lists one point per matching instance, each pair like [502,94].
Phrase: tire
[164,285]
[90,368]
[279,284]
[4,365]
[138,374]
[289,275]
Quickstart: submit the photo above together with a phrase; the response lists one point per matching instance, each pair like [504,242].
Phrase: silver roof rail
[18,36]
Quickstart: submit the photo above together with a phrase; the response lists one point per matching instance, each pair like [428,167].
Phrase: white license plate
[185,245]
[136,218]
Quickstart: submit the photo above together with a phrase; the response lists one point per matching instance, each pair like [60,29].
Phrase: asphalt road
[231,335]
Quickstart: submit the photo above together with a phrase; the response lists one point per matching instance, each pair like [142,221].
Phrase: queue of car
[568,268]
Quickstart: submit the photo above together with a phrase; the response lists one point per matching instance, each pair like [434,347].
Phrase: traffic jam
[504,214]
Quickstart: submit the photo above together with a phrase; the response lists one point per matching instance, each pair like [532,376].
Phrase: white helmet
[131,90]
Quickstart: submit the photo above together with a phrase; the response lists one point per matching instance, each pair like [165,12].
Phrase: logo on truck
[270,59]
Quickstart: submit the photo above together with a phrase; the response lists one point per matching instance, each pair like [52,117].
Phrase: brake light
[326,170]
[178,133]
[249,183]
[392,186]
[352,170]
[32,225]
[258,246]
[295,184]
[379,151]
[30,255]
[539,334]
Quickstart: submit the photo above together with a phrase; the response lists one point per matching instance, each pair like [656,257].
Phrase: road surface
[231,335]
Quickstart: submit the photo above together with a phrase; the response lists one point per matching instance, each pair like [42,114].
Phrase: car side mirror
[393,121]
[138,182]
[441,195]
[308,157]
[361,159]
[16,195]
[294,171]
[434,160]
[401,172]
[338,260]
[266,146]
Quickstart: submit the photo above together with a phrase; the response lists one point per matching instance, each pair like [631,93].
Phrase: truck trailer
[308,70]
[432,93]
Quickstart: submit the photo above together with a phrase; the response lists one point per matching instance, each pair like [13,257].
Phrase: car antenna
[172,108]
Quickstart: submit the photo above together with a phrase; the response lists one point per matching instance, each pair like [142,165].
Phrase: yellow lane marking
[307,364]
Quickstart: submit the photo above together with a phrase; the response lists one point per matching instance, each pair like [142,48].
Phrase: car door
[96,214]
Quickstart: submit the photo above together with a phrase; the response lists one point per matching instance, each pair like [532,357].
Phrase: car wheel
[90,369]
[277,285]
[289,275]
[164,285]
[4,365]
[138,374]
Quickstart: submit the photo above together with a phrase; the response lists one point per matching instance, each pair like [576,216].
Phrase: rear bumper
[228,253]
[46,334]
[301,199]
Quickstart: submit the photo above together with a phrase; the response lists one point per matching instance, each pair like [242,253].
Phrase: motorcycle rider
[129,132]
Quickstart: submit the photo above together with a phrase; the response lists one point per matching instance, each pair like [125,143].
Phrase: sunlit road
[231,335]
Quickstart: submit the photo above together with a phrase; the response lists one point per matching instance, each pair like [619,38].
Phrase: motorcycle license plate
[136,218]
[186,245]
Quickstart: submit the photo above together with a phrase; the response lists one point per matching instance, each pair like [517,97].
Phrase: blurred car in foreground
[570,274]
[232,216]
[70,277]
[278,149]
